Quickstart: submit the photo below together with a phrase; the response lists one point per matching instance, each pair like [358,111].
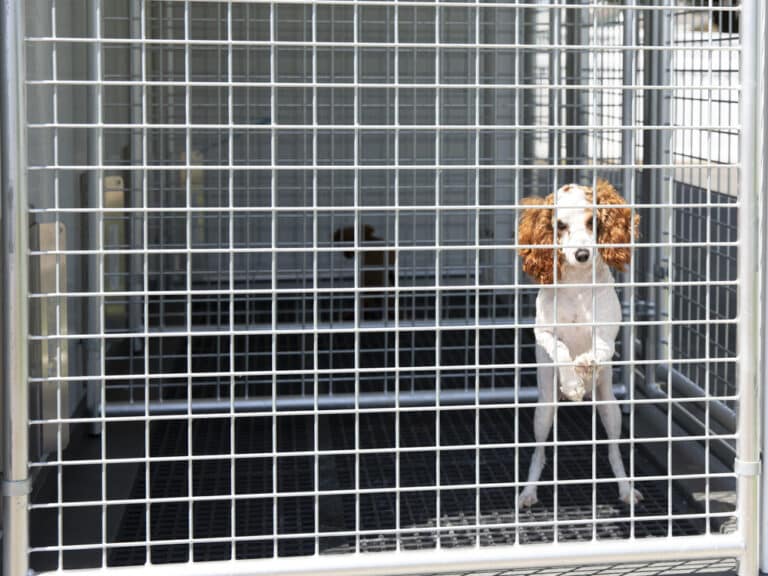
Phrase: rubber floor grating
[708,567]
[418,509]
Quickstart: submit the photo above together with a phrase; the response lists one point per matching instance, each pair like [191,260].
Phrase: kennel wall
[275,303]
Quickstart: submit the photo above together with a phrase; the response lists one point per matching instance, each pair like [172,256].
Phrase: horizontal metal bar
[638,401]
[599,4]
[443,448]
[684,386]
[734,128]
[444,326]
[425,398]
[365,249]
[351,210]
[368,167]
[427,289]
[704,47]
[445,368]
[456,560]
[310,84]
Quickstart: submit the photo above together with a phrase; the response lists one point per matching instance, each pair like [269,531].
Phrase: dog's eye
[589,223]
[561,226]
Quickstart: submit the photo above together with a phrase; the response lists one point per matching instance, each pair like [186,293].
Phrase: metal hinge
[745,468]
[17,487]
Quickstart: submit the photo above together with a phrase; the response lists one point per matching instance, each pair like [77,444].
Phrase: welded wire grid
[296,323]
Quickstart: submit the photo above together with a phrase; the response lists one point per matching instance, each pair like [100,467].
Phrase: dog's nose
[582,254]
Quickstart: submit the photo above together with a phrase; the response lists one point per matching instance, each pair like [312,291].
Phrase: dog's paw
[573,390]
[630,496]
[527,497]
[585,366]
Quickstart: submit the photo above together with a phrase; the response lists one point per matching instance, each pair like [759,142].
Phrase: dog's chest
[576,306]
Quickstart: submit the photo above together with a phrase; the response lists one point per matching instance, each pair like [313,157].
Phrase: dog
[377,270]
[589,240]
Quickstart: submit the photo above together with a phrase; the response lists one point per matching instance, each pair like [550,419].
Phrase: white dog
[581,353]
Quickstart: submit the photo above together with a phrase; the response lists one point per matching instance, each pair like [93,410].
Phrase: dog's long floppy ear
[615,226]
[535,227]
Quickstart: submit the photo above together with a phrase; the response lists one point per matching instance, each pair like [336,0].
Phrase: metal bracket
[17,487]
[744,468]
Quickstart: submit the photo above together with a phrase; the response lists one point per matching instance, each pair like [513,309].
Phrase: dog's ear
[615,225]
[535,227]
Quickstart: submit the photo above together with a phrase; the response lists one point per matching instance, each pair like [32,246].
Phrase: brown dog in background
[377,270]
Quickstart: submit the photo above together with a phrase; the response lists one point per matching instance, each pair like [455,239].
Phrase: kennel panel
[292,320]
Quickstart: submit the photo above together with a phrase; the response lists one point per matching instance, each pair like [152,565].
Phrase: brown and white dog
[570,242]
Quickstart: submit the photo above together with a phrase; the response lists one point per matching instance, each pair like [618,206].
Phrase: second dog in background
[377,270]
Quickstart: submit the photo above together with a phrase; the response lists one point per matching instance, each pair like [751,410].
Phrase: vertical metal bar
[94,195]
[652,28]
[477,280]
[748,446]
[145,272]
[670,35]
[709,222]
[135,262]
[188,275]
[315,300]
[440,259]
[763,98]
[57,204]
[575,102]
[396,287]
[627,157]
[13,159]
[748,266]
[597,118]
[553,14]
[518,142]
[553,94]
[233,511]
[358,257]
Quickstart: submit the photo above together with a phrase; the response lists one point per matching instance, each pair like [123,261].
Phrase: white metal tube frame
[13,156]
[747,464]
[762,170]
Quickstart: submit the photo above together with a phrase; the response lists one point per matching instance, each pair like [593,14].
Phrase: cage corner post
[762,104]
[14,290]
[748,447]
[763,96]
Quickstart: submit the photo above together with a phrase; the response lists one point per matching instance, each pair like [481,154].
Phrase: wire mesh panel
[285,310]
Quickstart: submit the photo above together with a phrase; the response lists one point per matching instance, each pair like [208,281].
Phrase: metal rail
[13,160]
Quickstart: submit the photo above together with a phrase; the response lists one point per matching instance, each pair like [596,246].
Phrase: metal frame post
[762,104]
[94,195]
[13,156]
[575,100]
[658,145]
[747,464]
[629,34]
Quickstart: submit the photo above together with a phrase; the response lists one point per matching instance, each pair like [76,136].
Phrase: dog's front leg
[571,386]
[603,347]
[610,414]
[588,364]
[542,424]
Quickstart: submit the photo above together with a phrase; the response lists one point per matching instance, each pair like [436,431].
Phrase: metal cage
[275,308]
